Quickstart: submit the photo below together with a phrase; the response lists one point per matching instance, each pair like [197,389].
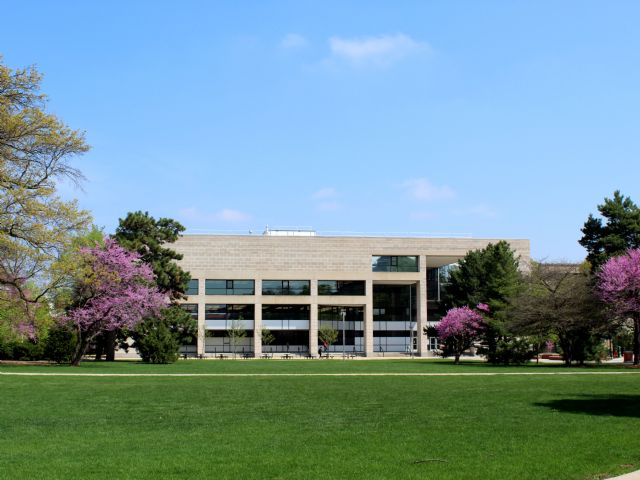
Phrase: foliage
[115,290]
[619,231]
[459,328]
[512,351]
[60,344]
[557,300]
[619,286]
[327,335]
[486,277]
[35,224]
[158,339]
[236,332]
[139,232]
[267,337]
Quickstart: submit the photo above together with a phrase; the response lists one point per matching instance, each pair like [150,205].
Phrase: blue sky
[490,118]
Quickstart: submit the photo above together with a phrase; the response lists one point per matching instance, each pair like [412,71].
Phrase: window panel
[386,263]
[192,287]
[341,287]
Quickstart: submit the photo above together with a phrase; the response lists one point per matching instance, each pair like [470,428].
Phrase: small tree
[114,289]
[327,335]
[158,339]
[459,328]
[236,332]
[267,337]
[619,286]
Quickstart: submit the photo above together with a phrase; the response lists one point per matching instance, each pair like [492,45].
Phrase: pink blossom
[459,327]
[619,282]
[483,307]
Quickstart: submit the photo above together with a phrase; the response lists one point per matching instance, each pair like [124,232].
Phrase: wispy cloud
[226,215]
[326,199]
[293,41]
[423,189]
[382,50]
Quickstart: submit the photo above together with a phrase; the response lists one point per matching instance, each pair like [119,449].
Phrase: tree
[619,231]
[557,300]
[327,335]
[35,224]
[488,276]
[139,232]
[114,290]
[236,332]
[267,336]
[158,339]
[619,286]
[459,328]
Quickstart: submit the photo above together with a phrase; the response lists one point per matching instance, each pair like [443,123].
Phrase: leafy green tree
[267,337]
[489,276]
[236,332]
[36,225]
[557,301]
[141,233]
[158,339]
[327,335]
[61,344]
[615,232]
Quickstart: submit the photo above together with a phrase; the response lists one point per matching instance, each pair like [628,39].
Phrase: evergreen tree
[489,276]
[141,233]
[619,231]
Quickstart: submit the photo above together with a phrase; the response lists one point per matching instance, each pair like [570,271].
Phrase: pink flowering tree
[459,328]
[113,290]
[619,286]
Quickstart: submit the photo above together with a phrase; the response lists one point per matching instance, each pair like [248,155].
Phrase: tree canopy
[36,225]
[617,230]
[140,232]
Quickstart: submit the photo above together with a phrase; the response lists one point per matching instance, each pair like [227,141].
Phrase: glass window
[191,308]
[192,287]
[285,312]
[229,287]
[341,287]
[229,311]
[285,287]
[386,263]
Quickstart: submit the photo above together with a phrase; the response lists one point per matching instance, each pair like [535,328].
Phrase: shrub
[60,344]
[513,351]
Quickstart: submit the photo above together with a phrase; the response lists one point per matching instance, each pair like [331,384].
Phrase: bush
[21,350]
[156,343]
[513,351]
[60,344]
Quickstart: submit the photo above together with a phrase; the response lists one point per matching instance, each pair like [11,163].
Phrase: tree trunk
[99,348]
[636,339]
[110,346]
[81,349]
[457,359]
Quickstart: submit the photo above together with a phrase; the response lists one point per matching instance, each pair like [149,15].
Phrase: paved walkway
[362,374]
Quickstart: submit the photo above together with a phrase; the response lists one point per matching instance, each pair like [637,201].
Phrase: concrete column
[257,321]
[421,292]
[368,320]
[201,329]
[313,318]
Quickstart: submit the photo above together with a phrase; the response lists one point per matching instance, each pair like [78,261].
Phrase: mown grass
[497,427]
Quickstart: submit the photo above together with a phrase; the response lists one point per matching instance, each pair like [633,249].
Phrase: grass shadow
[609,405]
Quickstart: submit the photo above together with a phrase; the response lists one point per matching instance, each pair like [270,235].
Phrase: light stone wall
[318,258]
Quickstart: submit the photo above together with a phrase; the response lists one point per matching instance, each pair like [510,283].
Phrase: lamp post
[343,314]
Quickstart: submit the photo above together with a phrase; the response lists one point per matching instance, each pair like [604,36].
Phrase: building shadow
[611,405]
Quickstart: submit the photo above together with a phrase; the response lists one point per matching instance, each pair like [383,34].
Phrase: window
[341,287]
[192,287]
[229,287]
[229,312]
[285,287]
[285,312]
[395,263]
[191,308]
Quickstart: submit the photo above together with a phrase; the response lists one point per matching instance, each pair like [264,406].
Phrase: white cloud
[423,189]
[293,41]
[326,192]
[226,215]
[382,50]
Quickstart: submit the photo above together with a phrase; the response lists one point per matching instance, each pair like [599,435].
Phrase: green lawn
[524,427]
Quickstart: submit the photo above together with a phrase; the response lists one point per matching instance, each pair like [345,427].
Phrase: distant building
[382,291]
